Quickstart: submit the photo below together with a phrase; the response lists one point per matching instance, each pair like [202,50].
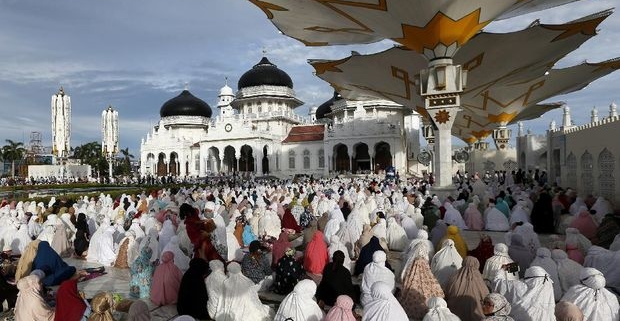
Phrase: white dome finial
[613,110]
[594,115]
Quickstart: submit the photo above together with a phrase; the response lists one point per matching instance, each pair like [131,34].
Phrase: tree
[90,154]
[12,152]
[126,161]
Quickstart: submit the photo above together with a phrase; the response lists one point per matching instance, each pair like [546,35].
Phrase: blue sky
[135,55]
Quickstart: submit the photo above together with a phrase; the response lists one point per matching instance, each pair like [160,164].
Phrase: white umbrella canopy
[434,28]
[504,78]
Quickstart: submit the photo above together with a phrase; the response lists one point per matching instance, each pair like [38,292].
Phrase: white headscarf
[300,304]
[446,262]
[544,260]
[336,245]
[167,232]
[596,302]
[380,230]
[215,287]
[438,311]
[453,217]
[383,306]
[494,264]
[568,270]
[376,271]
[396,236]
[531,299]
[239,300]
[181,260]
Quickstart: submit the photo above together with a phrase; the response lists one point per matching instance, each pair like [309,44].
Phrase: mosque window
[321,158]
[571,176]
[291,159]
[606,180]
[306,159]
[197,162]
[587,180]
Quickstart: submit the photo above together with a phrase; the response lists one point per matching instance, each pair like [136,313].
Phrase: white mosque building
[258,130]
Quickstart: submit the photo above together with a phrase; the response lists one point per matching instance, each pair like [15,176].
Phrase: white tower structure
[109,132]
[594,115]
[613,110]
[566,118]
[61,124]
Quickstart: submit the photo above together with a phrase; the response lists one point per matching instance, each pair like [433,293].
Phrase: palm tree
[126,160]
[13,151]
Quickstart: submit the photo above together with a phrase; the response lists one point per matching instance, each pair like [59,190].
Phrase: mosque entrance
[161,165]
[265,161]
[173,168]
[361,158]
[341,158]
[230,161]
[213,162]
[383,156]
[246,163]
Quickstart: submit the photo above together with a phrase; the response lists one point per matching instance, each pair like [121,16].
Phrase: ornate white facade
[61,124]
[582,157]
[258,130]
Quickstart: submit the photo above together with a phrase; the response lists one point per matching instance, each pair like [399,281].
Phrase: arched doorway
[246,163]
[230,161]
[383,156]
[161,165]
[213,161]
[172,166]
[361,160]
[341,158]
[265,160]
[151,165]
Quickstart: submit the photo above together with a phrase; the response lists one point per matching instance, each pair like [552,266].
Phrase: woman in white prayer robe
[167,232]
[531,299]
[602,208]
[410,227]
[135,227]
[380,230]
[446,262]
[594,301]
[383,306]
[101,248]
[519,214]
[20,239]
[336,245]
[530,238]
[48,229]
[573,236]
[300,304]
[396,236]
[453,216]
[181,260]
[375,272]
[544,260]
[568,270]
[575,208]
[347,238]
[239,300]
[214,283]
[494,265]
[438,311]
[333,225]
[410,254]
[495,220]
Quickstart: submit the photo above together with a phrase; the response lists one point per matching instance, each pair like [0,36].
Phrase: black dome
[264,73]
[185,104]
[326,107]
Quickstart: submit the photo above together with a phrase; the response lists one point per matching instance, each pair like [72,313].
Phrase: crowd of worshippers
[334,249]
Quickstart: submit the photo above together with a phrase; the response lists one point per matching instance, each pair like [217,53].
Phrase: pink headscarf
[574,253]
[584,222]
[166,281]
[316,255]
[342,310]
[279,247]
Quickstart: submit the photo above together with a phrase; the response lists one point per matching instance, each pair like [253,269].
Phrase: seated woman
[70,306]
[193,296]
[8,293]
[496,308]
[438,311]
[240,300]
[141,271]
[594,301]
[316,255]
[30,303]
[383,306]
[299,304]
[366,253]
[419,285]
[336,281]
[288,272]
[166,281]
[82,236]
[214,284]
[139,311]
[466,289]
[206,249]
[255,266]
[342,310]
[47,260]
[103,305]
[376,272]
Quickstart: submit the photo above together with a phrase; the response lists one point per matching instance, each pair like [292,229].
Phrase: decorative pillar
[501,136]
[443,119]
[520,129]
[258,163]
[613,110]
[594,115]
